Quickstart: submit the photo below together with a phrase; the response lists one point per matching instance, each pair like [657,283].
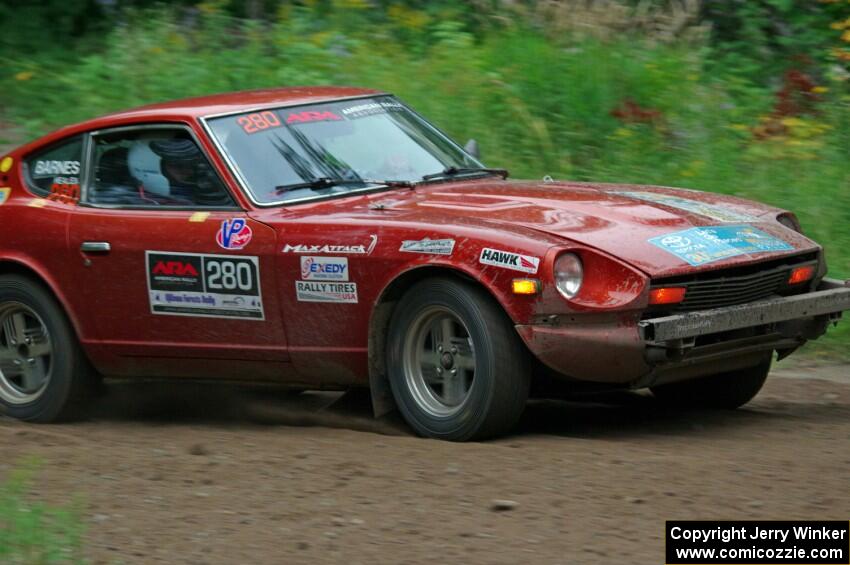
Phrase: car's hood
[618,219]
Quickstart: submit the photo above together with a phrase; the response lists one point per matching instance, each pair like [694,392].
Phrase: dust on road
[216,474]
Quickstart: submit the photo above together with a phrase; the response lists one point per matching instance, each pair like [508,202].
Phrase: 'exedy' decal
[324,268]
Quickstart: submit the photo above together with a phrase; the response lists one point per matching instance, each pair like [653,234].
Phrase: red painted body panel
[328,344]
[132,331]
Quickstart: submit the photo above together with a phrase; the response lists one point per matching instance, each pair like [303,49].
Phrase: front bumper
[637,353]
[831,298]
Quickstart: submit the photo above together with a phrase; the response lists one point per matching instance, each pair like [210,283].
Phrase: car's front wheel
[725,390]
[43,374]
[457,369]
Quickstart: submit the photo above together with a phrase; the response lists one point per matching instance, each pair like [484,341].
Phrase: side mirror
[471,147]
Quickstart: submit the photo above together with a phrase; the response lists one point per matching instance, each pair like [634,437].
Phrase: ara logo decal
[508,260]
[175,268]
[303,117]
[234,234]
[4,194]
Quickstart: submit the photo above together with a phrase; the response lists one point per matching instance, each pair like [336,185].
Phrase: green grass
[33,532]
[536,107]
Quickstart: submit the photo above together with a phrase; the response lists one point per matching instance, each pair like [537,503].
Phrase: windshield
[287,154]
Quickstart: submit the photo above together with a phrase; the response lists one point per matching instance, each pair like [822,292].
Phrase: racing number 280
[258,121]
[228,275]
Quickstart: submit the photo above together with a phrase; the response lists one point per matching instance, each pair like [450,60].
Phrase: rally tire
[728,390]
[489,396]
[59,377]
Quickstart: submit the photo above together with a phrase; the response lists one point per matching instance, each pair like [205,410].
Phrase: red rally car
[330,238]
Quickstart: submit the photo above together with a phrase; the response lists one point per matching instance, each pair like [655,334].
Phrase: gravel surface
[191,473]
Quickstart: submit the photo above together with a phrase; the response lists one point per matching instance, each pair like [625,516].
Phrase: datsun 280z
[331,238]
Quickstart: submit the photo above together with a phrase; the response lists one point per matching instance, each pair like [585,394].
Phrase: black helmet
[176,150]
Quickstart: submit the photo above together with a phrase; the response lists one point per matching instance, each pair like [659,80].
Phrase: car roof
[203,106]
[233,102]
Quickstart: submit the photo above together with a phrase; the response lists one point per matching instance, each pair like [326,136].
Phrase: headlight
[568,274]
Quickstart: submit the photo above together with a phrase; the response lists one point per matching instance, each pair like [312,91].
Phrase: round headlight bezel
[568,272]
[790,221]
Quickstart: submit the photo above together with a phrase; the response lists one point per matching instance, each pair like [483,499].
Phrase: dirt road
[185,473]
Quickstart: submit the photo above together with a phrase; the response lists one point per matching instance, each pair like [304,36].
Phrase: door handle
[95,247]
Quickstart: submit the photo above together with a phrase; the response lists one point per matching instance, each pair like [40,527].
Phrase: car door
[170,267]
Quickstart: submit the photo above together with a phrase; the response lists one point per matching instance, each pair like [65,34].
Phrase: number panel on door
[208,285]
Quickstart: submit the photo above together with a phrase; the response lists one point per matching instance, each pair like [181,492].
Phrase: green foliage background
[536,82]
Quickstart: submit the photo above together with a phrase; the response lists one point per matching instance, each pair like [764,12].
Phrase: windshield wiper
[327,182]
[454,171]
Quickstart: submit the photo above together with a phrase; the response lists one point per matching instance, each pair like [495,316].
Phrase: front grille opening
[730,287]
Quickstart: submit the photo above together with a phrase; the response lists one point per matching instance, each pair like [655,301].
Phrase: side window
[153,167]
[56,170]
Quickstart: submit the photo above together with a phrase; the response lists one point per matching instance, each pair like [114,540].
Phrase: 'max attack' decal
[698,246]
[717,213]
[327,248]
[508,260]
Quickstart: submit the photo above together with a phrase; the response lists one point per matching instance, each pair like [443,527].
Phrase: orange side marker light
[667,295]
[801,274]
[525,286]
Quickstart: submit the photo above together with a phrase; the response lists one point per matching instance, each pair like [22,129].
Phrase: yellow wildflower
[407,17]
[24,75]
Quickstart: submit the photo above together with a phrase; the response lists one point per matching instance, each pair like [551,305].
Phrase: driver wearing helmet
[175,171]
[188,173]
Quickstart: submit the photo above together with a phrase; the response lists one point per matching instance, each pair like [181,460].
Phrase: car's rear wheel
[43,374]
[727,390]
[457,368]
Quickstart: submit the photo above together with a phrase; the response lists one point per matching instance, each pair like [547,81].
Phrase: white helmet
[144,165]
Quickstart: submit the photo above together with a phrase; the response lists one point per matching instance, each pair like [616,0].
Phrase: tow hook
[672,350]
